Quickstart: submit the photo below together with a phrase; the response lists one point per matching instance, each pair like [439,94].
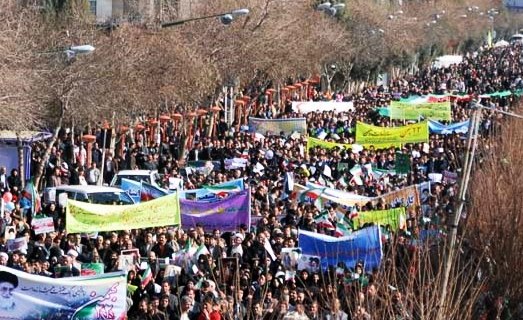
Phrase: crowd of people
[237,278]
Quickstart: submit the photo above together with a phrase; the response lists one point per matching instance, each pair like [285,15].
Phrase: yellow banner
[394,218]
[413,111]
[83,217]
[385,137]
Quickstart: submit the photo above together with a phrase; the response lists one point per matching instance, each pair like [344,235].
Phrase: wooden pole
[21,160]
[112,144]
[73,158]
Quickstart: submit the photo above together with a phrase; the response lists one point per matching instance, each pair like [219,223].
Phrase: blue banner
[204,194]
[133,188]
[150,192]
[439,128]
[363,245]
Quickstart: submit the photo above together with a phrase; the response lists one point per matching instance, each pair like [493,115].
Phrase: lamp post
[331,9]
[82,49]
[225,18]
[492,13]
[71,52]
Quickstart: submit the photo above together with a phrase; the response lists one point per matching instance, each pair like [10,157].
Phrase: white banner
[43,225]
[28,296]
[235,163]
[320,106]
[275,126]
[17,244]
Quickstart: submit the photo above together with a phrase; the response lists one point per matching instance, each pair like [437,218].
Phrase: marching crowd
[237,278]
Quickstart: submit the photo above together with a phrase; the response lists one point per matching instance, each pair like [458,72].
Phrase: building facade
[140,10]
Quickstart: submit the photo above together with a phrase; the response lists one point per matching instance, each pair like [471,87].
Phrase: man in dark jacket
[162,249]
[14,180]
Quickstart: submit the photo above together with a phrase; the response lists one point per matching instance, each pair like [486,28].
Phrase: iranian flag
[434,98]
[461,97]
[342,230]
[353,213]
[36,204]
[342,217]
[202,249]
[184,255]
[431,98]
[357,173]
[322,221]
[222,191]
[189,249]
[312,196]
[147,276]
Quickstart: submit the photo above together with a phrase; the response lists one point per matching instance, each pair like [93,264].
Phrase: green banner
[83,217]
[385,137]
[498,94]
[414,111]
[395,218]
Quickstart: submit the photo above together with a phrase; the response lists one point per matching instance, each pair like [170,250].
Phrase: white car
[517,38]
[149,176]
[91,194]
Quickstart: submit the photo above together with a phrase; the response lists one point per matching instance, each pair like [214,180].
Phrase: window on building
[92,6]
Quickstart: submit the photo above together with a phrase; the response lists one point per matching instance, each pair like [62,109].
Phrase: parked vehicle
[517,38]
[91,194]
[150,176]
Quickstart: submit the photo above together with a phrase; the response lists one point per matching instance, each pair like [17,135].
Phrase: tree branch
[264,16]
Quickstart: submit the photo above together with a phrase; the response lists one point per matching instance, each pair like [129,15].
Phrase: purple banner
[226,215]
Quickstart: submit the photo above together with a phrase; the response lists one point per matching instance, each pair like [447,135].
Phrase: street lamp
[473,9]
[70,53]
[331,9]
[493,12]
[226,18]
[73,51]
[86,48]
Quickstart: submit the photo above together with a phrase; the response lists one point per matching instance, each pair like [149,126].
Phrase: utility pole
[472,141]
[465,176]
[105,127]
[112,143]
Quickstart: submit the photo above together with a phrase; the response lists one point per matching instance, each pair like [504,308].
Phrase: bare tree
[278,38]
[494,216]
[18,77]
